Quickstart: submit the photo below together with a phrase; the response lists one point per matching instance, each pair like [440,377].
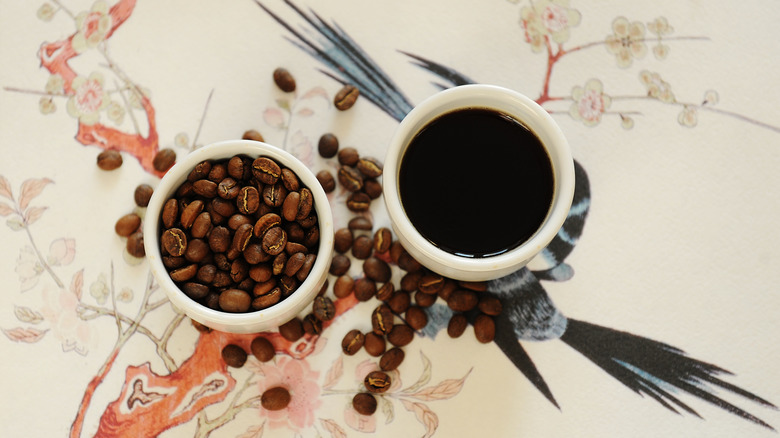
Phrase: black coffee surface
[476,183]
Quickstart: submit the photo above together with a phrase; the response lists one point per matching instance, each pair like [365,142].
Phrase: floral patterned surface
[671,114]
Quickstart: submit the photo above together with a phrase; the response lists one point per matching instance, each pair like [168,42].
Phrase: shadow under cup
[478,180]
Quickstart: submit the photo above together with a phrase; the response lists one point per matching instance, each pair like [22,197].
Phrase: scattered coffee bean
[410,281]
[462,300]
[328,145]
[484,328]
[234,356]
[370,167]
[164,159]
[248,135]
[374,344]
[262,349]
[377,269]
[430,283]
[446,290]
[396,249]
[377,382]
[457,325]
[346,97]
[343,286]
[284,80]
[425,300]
[362,247]
[358,201]
[383,238]
[400,335]
[275,399]
[360,223]
[476,286]
[342,240]
[292,330]
[365,289]
[327,181]
[323,308]
[348,156]
[350,178]
[399,301]
[391,359]
[312,325]
[408,263]
[386,291]
[364,403]
[109,159]
[234,301]
[127,224]
[352,342]
[489,305]
[382,320]
[340,264]
[142,194]
[135,244]
[372,188]
[416,317]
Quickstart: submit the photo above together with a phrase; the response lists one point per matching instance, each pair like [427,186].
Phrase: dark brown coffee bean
[374,344]
[343,286]
[234,356]
[190,213]
[328,145]
[196,291]
[201,225]
[391,359]
[267,300]
[476,286]
[294,264]
[312,325]
[323,288]
[219,239]
[462,300]
[275,399]
[228,188]
[250,135]
[383,238]
[377,269]
[237,220]
[361,223]
[199,327]
[350,178]
[135,244]
[295,232]
[382,320]
[184,274]
[248,200]
[200,171]
[346,97]
[218,173]
[260,273]
[254,254]
[170,213]
[323,308]
[109,160]
[308,264]
[142,195]
[411,280]
[242,236]
[222,279]
[352,342]
[264,287]
[284,80]
[416,317]
[197,250]
[164,159]
[372,188]
[262,349]
[484,328]
[266,170]
[364,403]
[339,265]
[327,181]
[174,242]
[206,274]
[400,335]
[358,201]
[408,263]
[370,167]
[265,223]
[239,270]
[425,300]
[171,262]
[288,285]
[489,305]
[222,207]
[377,382]
[205,188]
[362,247]
[430,283]
[279,262]
[291,205]
[342,240]
[312,237]
[399,301]
[306,204]
[396,249]
[449,286]
[309,221]
[385,292]
[127,224]
[246,285]
[457,325]
[234,300]
[274,195]
[292,330]
[365,289]
[236,165]
[212,301]
[274,241]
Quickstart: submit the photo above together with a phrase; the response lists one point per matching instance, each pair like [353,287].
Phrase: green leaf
[15,223]
[283,104]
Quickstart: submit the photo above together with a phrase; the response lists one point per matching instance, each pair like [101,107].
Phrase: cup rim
[535,118]
[255,321]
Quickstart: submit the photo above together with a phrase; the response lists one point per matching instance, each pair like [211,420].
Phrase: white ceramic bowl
[251,322]
[527,112]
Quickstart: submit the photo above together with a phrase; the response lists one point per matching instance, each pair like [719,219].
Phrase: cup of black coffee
[478,179]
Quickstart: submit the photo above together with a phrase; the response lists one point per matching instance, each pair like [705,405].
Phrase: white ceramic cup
[251,322]
[525,111]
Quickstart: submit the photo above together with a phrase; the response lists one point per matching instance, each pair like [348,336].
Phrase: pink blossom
[301,381]
[590,102]
[61,309]
[92,27]
[61,252]
[88,99]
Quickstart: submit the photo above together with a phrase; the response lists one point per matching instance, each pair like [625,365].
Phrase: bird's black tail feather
[656,369]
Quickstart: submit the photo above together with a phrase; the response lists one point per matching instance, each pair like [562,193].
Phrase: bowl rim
[253,321]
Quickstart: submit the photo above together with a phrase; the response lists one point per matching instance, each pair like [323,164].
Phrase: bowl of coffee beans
[239,234]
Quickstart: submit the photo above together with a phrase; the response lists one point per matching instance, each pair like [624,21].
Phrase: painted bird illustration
[645,366]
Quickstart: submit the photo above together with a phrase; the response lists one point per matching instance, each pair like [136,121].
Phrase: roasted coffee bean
[171,262]
[306,204]
[457,325]
[323,308]
[312,325]
[264,287]
[190,213]
[200,327]
[364,403]
[462,300]
[425,300]
[343,286]
[274,194]
[197,250]
[385,292]
[242,236]
[410,281]
[174,242]
[170,213]
[212,301]
[260,273]
[248,200]
[374,344]
[262,349]
[342,240]
[365,289]
[275,399]
[201,225]
[292,330]
[237,220]
[254,254]
[222,279]
[291,205]
[246,285]
[295,232]
[184,190]
[239,270]
[489,305]
[408,263]
[416,317]
[223,207]
[312,237]
[377,269]
[449,286]
[399,301]
[396,249]
[200,171]
[362,247]
[328,145]
[346,97]
[358,201]
[484,328]
[284,80]
[196,291]
[352,342]
[350,178]
[476,286]
[294,263]
[391,359]
[308,264]
[205,188]
[274,241]
[370,167]
[127,224]
[383,238]
[206,273]
[323,288]
[109,160]
[218,173]
[234,356]
[185,273]
[430,283]
[234,301]
[252,135]
[327,181]
[361,223]
[267,300]
[135,244]
[339,265]
[142,195]
[372,188]
[265,223]
[288,285]
[266,170]
[164,159]
[309,221]
[377,382]
[400,335]
[236,165]
[228,188]
[382,320]
[219,239]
